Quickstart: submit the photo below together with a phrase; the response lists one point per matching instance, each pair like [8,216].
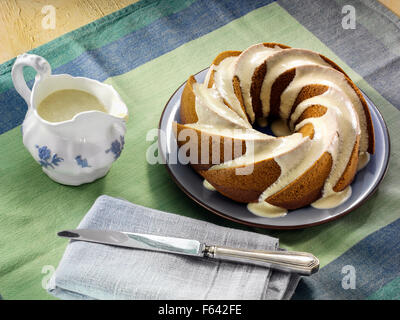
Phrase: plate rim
[267,226]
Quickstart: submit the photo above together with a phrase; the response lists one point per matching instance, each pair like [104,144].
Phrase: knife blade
[291,261]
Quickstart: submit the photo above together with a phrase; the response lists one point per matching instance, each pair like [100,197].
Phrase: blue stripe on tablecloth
[372,49]
[375,259]
[138,47]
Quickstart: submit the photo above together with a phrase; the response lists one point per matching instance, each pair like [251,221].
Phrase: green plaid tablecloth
[146,51]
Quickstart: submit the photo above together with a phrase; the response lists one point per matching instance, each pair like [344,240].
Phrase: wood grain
[393,5]
[21,21]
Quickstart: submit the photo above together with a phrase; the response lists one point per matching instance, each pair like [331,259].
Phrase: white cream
[267,148]
[333,200]
[314,74]
[264,209]
[281,62]
[208,185]
[223,76]
[296,162]
[245,66]
[63,105]
[211,109]
[363,159]
[208,76]
[340,110]
[238,133]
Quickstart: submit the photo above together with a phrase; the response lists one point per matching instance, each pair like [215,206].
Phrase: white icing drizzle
[282,61]
[266,148]
[333,200]
[211,109]
[208,185]
[223,83]
[363,159]
[340,111]
[208,75]
[314,74]
[238,133]
[294,163]
[264,209]
[247,62]
[335,132]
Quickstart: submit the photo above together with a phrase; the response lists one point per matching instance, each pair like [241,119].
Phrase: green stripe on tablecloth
[390,291]
[34,208]
[69,46]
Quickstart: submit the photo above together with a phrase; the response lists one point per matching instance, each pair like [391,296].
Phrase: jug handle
[38,63]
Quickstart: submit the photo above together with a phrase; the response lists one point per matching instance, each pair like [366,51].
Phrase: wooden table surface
[21,21]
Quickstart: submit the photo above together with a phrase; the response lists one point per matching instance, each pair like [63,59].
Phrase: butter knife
[291,261]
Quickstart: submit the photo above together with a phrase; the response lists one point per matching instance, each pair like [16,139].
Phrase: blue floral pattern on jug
[82,162]
[116,147]
[46,159]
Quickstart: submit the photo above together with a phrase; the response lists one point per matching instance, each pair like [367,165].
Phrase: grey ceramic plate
[364,185]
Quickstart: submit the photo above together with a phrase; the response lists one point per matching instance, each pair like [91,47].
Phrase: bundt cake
[320,119]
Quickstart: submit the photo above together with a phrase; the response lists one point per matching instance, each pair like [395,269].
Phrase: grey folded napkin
[96,271]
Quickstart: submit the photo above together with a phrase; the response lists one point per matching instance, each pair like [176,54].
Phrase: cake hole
[275,127]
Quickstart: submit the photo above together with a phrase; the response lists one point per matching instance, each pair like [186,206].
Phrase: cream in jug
[63,105]
[74,127]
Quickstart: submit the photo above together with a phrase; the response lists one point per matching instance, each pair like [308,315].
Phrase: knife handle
[300,262]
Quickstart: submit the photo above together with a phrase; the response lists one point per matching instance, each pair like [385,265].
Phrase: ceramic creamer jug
[78,150]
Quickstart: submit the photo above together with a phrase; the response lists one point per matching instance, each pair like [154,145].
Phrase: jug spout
[117,108]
